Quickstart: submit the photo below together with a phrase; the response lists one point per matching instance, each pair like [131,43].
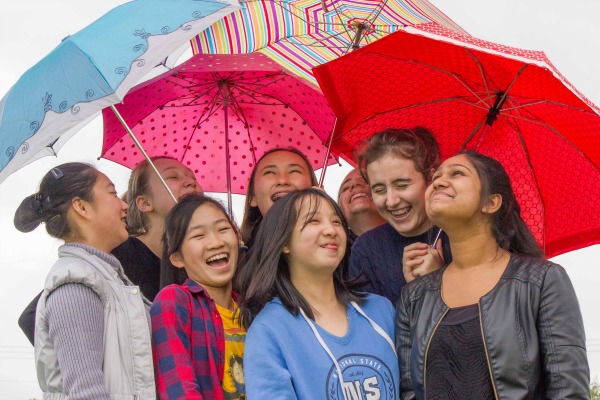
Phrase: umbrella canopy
[93,69]
[509,103]
[215,108]
[300,34]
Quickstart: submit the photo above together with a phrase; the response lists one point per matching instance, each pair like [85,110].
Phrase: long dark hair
[509,229]
[416,144]
[265,272]
[52,202]
[252,215]
[177,223]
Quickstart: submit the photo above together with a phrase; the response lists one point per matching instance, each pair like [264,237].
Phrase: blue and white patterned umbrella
[94,69]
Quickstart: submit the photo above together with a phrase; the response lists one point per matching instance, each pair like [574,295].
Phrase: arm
[265,370]
[419,259]
[403,346]
[562,338]
[75,319]
[171,346]
[27,318]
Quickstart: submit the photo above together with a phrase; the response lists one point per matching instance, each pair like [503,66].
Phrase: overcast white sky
[568,31]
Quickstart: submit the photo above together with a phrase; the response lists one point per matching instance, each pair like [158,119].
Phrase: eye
[337,222]
[225,229]
[457,173]
[171,177]
[378,190]
[198,236]
[268,172]
[296,170]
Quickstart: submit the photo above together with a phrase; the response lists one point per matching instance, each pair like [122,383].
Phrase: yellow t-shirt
[234,385]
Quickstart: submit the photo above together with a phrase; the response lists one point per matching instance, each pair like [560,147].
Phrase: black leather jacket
[532,328]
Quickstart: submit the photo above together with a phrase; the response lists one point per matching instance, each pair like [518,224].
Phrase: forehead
[102,181]
[353,176]
[459,159]
[163,164]
[391,167]
[207,214]
[281,159]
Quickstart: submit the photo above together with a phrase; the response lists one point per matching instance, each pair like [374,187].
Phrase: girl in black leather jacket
[499,321]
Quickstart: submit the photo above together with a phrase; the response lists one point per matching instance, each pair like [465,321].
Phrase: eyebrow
[458,165]
[200,226]
[286,166]
[110,184]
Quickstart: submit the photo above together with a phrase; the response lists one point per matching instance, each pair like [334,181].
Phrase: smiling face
[355,196]
[179,179]
[318,241]
[276,175]
[455,192]
[398,191]
[209,250]
[107,213]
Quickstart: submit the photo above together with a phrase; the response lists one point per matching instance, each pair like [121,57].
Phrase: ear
[81,207]
[176,260]
[285,249]
[253,202]
[144,204]
[493,205]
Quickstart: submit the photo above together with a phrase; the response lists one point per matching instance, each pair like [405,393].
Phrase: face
[276,175]
[454,192]
[398,191]
[107,213]
[355,195]
[209,250]
[179,179]
[318,241]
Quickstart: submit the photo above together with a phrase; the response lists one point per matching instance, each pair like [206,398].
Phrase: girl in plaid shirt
[195,332]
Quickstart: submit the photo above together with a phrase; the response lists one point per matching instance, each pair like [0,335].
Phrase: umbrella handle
[139,146]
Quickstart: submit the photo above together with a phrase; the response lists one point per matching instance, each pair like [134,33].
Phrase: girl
[277,172]
[398,164]
[499,321]
[92,337]
[149,203]
[198,343]
[311,334]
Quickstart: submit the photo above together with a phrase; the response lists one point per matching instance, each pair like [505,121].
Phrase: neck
[221,295]
[317,291]
[472,245]
[362,222]
[153,237]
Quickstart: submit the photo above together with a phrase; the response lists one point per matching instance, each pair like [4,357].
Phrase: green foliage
[595,390]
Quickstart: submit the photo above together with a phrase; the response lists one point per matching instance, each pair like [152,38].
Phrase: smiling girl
[398,165]
[500,321]
[311,335]
[195,330]
[92,336]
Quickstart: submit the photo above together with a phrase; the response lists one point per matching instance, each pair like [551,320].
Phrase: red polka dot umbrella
[508,103]
[218,114]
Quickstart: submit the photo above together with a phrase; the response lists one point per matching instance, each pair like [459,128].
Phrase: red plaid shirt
[188,343]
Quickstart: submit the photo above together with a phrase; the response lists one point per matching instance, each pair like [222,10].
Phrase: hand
[420,259]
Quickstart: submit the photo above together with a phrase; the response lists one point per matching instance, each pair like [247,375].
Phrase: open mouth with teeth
[357,196]
[218,261]
[278,196]
[400,213]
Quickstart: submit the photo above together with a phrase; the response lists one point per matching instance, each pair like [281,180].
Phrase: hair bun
[28,216]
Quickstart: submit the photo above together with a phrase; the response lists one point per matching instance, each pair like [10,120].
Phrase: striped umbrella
[301,34]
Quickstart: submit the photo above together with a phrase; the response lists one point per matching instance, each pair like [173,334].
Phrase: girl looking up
[92,336]
[500,321]
[311,334]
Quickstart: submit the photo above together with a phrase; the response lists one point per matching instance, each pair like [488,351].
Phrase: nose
[213,240]
[329,229]
[439,182]
[392,199]
[283,179]
[124,205]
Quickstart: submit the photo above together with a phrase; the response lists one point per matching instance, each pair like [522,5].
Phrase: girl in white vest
[92,335]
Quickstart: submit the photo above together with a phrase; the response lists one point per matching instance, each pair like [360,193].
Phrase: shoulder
[417,288]
[274,317]
[170,296]
[374,304]
[531,269]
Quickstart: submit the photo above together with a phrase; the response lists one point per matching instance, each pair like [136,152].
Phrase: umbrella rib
[482,72]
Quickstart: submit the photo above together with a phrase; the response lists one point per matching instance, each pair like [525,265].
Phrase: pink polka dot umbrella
[218,114]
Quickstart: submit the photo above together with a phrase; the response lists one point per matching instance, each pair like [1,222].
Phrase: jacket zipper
[487,356]
[427,352]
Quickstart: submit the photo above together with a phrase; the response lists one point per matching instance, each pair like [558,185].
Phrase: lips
[331,246]
[359,195]
[278,196]
[218,260]
[400,213]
